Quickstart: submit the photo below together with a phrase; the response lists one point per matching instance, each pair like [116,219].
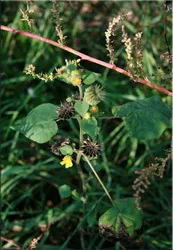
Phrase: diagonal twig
[86,57]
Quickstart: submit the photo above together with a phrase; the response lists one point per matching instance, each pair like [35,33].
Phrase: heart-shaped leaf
[122,218]
[145,119]
[90,77]
[81,107]
[39,124]
[89,127]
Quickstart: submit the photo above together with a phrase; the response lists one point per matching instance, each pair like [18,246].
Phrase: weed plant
[32,203]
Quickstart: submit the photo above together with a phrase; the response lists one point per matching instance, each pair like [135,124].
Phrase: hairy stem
[98,178]
[80,92]
[87,58]
[81,137]
[82,176]
[78,157]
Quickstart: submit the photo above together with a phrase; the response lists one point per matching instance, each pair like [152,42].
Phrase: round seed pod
[90,148]
[94,94]
[59,142]
[66,110]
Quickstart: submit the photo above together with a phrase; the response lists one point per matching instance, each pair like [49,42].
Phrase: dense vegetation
[32,197]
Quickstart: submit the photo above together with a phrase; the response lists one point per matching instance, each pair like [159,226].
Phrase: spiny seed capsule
[94,94]
[59,142]
[91,148]
[66,110]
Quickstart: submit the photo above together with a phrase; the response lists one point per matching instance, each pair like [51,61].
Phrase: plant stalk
[80,92]
[87,58]
[82,176]
[98,178]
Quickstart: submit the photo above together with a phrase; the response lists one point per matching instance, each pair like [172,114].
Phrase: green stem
[98,178]
[79,154]
[81,137]
[80,92]
[82,176]
[80,133]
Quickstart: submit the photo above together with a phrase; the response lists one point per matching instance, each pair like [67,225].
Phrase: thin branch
[87,58]
[98,178]
[34,242]
[80,92]
[12,242]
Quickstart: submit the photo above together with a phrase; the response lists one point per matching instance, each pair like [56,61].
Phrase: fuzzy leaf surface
[90,77]
[145,119]
[39,124]
[81,107]
[89,127]
[123,213]
[66,150]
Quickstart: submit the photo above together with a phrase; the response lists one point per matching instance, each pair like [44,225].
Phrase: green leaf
[65,191]
[123,216]
[39,124]
[92,219]
[76,196]
[90,77]
[66,150]
[81,107]
[89,127]
[145,119]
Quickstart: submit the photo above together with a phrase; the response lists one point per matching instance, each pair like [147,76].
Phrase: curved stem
[79,154]
[98,178]
[80,92]
[87,58]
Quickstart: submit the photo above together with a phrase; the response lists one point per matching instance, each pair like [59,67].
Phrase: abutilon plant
[144,119]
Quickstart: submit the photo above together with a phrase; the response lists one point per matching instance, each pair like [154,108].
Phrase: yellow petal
[77,81]
[67,161]
[62,162]
[68,164]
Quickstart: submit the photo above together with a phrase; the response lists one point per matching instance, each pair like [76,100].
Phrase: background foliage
[32,201]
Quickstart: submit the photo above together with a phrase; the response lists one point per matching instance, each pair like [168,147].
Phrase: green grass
[31,174]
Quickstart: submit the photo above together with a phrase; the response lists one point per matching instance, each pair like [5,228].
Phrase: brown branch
[12,242]
[87,58]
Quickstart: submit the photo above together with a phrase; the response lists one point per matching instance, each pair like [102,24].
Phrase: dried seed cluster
[90,148]
[58,143]
[110,35]
[66,110]
[142,182]
[108,233]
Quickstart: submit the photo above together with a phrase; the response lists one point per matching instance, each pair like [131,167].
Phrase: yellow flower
[67,161]
[77,81]
[87,116]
